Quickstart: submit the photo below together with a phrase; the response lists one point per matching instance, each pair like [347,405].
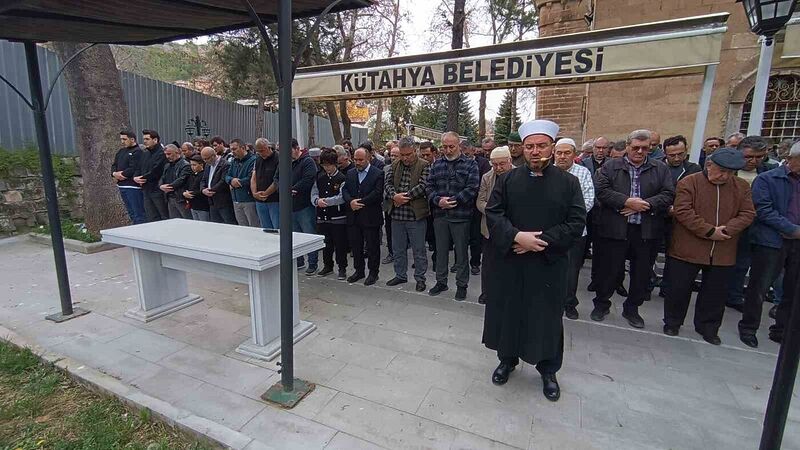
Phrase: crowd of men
[523,216]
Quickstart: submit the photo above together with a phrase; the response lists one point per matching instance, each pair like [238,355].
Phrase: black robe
[526,293]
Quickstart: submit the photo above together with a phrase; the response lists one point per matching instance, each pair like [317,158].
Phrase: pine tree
[431,112]
[502,123]
[467,125]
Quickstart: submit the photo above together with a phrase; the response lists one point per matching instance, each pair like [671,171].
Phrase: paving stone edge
[198,427]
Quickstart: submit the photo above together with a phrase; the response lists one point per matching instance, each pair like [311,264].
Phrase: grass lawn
[42,408]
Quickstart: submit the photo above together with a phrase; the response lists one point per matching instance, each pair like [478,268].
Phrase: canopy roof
[669,48]
[141,22]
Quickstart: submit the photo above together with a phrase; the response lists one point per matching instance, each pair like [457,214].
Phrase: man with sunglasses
[634,194]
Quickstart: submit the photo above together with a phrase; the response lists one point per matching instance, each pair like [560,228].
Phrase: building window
[781,111]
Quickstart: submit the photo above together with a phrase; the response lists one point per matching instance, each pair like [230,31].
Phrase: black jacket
[195,186]
[152,166]
[177,175]
[688,169]
[127,160]
[612,186]
[304,173]
[330,186]
[370,191]
[222,197]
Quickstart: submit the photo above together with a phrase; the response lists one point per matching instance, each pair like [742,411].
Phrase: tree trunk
[260,115]
[458,42]
[312,131]
[100,111]
[376,133]
[346,122]
[482,116]
[333,116]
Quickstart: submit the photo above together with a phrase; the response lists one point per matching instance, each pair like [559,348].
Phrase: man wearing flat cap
[711,210]
[535,214]
[515,147]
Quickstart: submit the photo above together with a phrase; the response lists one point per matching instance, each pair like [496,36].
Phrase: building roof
[141,22]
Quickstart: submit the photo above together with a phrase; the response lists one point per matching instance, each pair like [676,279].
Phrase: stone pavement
[394,369]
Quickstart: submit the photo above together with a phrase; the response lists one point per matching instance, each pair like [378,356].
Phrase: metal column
[702,113]
[760,89]
[48,180]
[301,140]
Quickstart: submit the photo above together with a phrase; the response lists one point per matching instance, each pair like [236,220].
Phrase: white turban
[544,127]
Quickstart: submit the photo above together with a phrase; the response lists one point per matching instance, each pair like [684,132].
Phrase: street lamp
[766,17]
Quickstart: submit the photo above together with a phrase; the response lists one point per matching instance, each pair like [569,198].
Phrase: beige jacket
[484,192]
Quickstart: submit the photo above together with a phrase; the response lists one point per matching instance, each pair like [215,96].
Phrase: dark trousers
[545,366]
[475,239]
[611,258]
[387,222]
[665,274]
[575,256]
[155,206]
[430,238]
[767,263]
[455,234]
[710,303]
[134,204]
[743,260]
[222,214]
[368,238]
[335,243]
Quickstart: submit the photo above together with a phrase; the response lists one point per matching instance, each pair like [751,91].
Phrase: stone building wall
[667,105]
[23,204]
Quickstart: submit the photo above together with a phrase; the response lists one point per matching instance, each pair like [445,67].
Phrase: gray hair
[587,145]
[261,142]
[487,140]
[191,146]
[451,134]
[406,142]
[171,147]
[638,135]
[736,135]
[795,150]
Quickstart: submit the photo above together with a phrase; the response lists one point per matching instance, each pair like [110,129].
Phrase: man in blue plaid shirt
[452,189]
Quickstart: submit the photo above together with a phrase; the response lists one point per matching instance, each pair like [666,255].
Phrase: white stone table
[164,251]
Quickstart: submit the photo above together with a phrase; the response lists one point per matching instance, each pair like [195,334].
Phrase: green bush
[71,230]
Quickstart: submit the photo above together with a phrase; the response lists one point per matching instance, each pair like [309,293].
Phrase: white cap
[500,152]
[545,127]
[566,141]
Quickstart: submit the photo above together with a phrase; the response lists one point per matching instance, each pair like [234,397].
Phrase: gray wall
[152,104]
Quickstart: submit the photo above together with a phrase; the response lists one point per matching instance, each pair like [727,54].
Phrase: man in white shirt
[564,155]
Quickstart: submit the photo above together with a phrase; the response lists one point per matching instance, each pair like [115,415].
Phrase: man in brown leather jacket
[711,209]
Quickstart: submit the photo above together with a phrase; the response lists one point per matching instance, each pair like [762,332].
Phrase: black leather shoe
[453,269]
[371,279]
[749,340]
[461,294]
[598,315]
[325,271]
[500,375]
[550,387]
[475,270]
[634,319]
[355,277]
[395,281]
[591,287]
[713,340]
[342,275]
[421,286]
[482,299]
[671,331]
[737,306]
[571,313]
[775,336]
[437,289]
[621,291]
[773,311]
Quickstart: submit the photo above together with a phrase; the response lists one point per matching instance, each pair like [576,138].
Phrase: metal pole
[698,136]
[284,192]
[780,396]
[301,140]
[760,89]
[48,179]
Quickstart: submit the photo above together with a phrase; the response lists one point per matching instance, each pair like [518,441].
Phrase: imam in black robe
[525,298]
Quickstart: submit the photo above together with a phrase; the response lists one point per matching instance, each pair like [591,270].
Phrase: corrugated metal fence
[152,104]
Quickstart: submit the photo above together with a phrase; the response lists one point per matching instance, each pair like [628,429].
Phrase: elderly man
[174,181]
[535,214]
[775,236]
[187,150]
[515,147]
[587,149]
[500,159]
[710,145]
[634,193]
[656,152]
[406,204]
[711,210]
[487,145]
[565,160]
[452,188]
[263,186]
[734,139]
[220,205]
[596,159]
[344,159]
[363,199]
[238,178]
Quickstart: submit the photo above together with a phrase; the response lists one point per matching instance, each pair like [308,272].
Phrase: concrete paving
[394,369]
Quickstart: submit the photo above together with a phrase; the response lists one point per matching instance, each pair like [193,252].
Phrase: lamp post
[766,18]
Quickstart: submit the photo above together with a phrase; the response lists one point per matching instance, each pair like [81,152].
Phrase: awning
[669,48]
[791,40]
[140,22]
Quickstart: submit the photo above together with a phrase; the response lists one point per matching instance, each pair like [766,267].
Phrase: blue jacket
[241,169]
[772,191]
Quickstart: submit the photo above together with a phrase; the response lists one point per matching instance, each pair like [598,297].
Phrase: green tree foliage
[505,116]
[169,62]
[467,125]
[244,61]
[431,111]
